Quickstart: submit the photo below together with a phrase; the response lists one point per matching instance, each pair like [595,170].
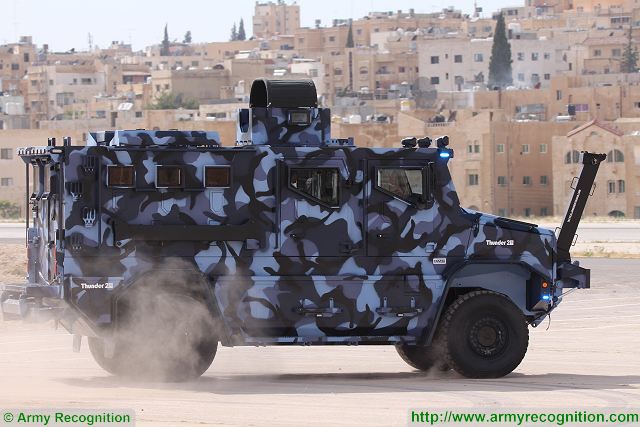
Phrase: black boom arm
[581,193]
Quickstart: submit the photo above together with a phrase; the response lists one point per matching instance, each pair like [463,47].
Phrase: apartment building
[15,58]
[617,191]
[455,63]
[270,19]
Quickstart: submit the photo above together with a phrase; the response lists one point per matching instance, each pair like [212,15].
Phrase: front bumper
[31,301]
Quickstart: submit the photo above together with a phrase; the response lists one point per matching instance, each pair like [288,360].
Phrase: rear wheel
[485,335]
[163,337]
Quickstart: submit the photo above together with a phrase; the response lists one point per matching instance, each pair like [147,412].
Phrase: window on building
[332,38]
[337,71]
[611,187]
[435,59]
[25,57]
[525,149]
[435,80]
[6,182]
[621,186]
[616,52]
[558,95]
[403,183]
[616,214]
[520,77]
[499,148]
[6,154]
[478,57]
[15,67]
[615,156]
[86,80]
[535,78]
[526,180]
[547,76]
[534,56]
[502,212]
[457,59]
[543,148]
[547,55]
[544,180]
[527,212]
[636,212]
[502,181]
[138,114]
[544,211]
[572,157]
[473,179]
[320,184]
[597,52]
[520,56]
[364,70]
[401,69]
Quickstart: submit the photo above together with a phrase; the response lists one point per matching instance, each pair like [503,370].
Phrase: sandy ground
[587,359]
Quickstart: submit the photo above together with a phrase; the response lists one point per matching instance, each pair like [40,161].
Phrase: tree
[350,35]
[234,33]
[629,63]
[500,73]
[187,37]
[169,101]
[164,50]
[241,34]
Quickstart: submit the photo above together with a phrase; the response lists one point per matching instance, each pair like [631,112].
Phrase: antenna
[90,40]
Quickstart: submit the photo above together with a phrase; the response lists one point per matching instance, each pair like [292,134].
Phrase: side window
[169,177]
[318,183]
[403,183]
[120,176]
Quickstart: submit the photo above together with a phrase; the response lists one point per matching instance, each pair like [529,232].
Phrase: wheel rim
[488,337]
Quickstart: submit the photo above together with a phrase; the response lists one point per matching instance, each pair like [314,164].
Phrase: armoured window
[403,183]
[318,183]
[168,176]
[120,176]
[216,176]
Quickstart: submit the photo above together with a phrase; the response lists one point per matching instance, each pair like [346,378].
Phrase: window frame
[308,196]
[133,185]
[204,175]
[427,180]
[180,186]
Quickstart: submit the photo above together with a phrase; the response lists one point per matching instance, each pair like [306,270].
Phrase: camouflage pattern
[282,266]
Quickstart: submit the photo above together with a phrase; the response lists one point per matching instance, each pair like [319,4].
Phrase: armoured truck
[158,245]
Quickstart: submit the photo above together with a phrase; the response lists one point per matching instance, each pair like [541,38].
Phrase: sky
[66,24]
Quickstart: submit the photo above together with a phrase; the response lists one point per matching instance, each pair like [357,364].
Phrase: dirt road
[589,358]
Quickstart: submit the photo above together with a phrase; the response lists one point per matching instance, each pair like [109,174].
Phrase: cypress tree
[629,62]
[234,33]
[241,34]
[350,42]
[187,37]
[164,50]
[500,73]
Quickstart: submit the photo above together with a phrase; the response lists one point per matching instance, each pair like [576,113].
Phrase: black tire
[485,335]
[164,337]
[424,358]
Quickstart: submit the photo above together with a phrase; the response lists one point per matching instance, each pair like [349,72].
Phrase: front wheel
[162,337]
[485,335]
